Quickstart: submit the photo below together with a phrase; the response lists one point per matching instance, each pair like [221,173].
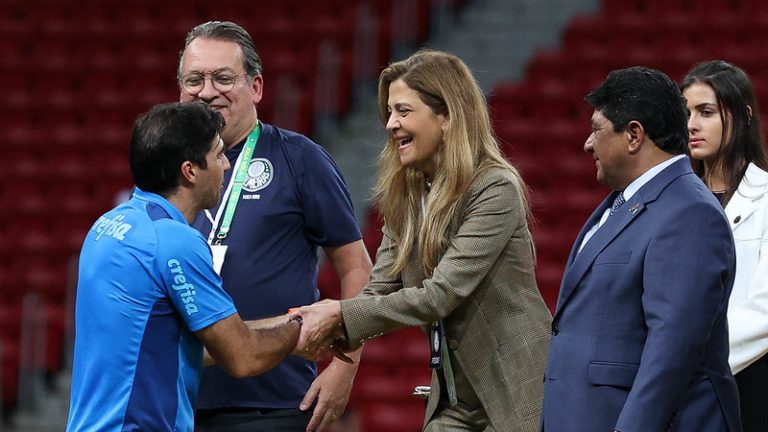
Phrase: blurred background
[76,73]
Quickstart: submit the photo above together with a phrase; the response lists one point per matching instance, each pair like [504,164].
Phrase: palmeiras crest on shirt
[259,176]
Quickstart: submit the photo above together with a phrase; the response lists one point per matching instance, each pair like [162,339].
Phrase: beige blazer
[484,289]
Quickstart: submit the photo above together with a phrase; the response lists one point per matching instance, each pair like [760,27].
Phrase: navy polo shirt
[294,199]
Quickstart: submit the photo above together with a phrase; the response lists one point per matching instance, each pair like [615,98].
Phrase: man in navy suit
[639,338]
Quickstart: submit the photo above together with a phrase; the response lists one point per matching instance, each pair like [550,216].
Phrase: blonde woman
[457,256]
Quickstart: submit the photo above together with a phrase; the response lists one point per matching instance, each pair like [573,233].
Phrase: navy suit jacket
[640,338]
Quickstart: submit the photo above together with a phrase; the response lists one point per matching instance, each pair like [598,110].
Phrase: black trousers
[753,392]
[252,419]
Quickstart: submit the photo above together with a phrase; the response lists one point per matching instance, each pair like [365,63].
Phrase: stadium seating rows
[77,74]
[543,121]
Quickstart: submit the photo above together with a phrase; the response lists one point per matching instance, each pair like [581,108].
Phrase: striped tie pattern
[618,202]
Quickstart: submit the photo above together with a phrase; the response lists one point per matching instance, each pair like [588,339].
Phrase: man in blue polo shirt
[285,199]
[148,297]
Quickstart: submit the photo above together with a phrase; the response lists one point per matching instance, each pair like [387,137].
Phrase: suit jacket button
[453,344]
[555,330]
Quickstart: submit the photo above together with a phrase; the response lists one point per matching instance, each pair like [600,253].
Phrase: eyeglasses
[222,80]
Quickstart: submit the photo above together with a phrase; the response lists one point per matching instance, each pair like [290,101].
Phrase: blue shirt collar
[162,202]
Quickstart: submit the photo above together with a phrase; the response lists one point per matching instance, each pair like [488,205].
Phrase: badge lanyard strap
[440,356]
[237,187]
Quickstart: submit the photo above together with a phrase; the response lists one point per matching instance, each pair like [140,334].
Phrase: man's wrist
[296,318]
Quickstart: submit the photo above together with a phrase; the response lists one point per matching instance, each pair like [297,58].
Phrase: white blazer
[747,213]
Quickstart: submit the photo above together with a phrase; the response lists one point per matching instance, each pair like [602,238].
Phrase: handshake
[321,331]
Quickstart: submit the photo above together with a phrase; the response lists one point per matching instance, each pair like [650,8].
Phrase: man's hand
[331,389]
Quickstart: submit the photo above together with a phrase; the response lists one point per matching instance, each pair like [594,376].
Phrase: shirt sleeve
[326,203]
[185,265]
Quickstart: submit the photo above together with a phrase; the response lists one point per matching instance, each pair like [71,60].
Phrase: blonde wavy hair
[446,85]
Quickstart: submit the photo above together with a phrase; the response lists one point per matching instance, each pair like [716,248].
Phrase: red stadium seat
[387,417]
[9,363]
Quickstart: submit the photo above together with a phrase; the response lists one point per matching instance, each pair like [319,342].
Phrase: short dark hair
[742,139]
[649,97]
[166,136]
[230,32]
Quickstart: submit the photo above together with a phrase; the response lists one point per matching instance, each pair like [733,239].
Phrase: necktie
[618,202]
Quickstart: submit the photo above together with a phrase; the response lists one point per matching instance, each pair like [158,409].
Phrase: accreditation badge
[435,341]
[219,251]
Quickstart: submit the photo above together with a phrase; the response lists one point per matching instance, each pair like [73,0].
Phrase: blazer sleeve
[381,282]
[685,293]
[494,212]
[748,322]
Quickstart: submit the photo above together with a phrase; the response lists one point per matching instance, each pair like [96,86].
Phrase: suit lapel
[579,264]
[593,219]
[602,237]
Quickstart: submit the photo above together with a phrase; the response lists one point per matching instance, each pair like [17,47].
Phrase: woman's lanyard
[234,189]
[439,357]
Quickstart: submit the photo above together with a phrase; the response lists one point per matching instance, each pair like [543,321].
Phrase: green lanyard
[237,188]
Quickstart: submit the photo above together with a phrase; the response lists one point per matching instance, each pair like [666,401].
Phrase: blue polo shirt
[146,283]
[294,199]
